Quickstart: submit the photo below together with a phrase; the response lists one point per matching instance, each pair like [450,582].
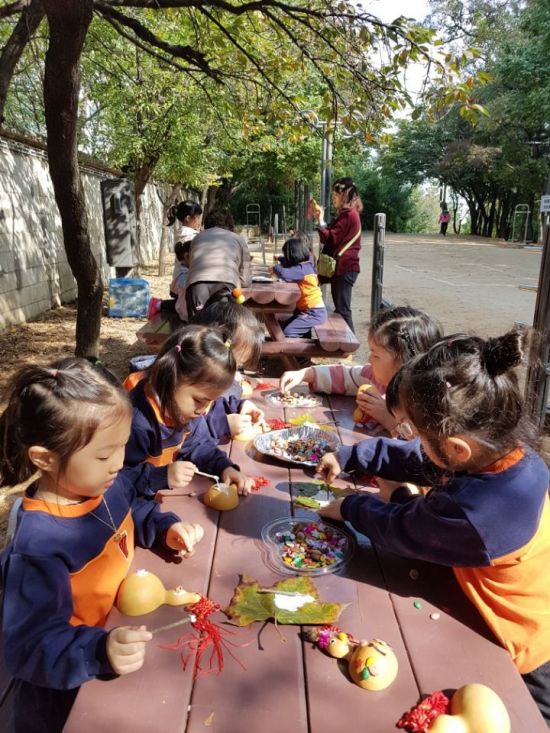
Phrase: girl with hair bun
[487,514]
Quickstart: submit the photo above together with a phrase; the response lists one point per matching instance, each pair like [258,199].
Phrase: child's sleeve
[290,274]
[216,418]
[41,646]
[200,449]
[147,479]
[245,269]
[432,528]
[342,379]
[397,460]
[150,523]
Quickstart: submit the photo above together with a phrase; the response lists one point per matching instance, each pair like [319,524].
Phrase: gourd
[373,665]
[247,390]
[251,432]
[142,592]
[339,646]
[359,416]
[222,497]
[475,708]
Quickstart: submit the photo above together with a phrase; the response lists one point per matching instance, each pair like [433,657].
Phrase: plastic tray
[264,443]
[307,399]
[272,532]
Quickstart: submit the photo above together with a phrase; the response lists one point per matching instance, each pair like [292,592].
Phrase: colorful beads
[295,448]
[309,546]
[295,399]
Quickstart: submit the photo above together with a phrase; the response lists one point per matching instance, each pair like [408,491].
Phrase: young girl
[298,267]
[188,215]
[75,537]
[230,415]
[394,337]
[487,515]
[169,431]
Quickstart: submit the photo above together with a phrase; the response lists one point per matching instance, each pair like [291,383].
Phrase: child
[74,539]
[487,515]
[230,415]
[169,431]
[394,337]
[298,266]
[177,287]
[188,214]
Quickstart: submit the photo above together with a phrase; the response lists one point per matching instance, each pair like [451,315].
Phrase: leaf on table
[249,604]
[314,487]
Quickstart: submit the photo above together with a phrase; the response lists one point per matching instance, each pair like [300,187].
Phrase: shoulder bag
[326,265]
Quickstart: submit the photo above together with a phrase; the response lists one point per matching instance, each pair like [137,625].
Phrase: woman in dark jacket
[336,239]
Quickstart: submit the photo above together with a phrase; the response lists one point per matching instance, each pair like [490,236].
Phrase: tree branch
[14,8]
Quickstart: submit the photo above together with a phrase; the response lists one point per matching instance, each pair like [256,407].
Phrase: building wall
[34,273]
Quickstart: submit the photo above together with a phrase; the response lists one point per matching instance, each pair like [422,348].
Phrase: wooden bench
[155,332]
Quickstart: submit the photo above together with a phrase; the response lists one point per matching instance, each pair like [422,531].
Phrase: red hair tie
[177,347]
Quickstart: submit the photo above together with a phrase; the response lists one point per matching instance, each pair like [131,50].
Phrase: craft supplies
[303,445]
[294,399]
[142,592]
[309,548]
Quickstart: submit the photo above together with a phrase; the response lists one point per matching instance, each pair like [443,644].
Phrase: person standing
[342,241]
[444,219]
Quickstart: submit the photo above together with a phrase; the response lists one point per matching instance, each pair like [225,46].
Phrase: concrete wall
[34,272]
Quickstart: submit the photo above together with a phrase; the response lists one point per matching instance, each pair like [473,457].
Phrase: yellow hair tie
[227,344]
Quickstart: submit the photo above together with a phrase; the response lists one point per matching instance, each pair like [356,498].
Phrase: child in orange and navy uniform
[298,266]
[487,514]
[66,427]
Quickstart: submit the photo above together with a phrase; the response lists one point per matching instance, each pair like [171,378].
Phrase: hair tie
[53,373]
[227,344]
[177,348]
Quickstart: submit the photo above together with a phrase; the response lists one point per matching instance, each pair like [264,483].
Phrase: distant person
[444,218]
[176,304]
[189,215]
[342,240]
[220,260]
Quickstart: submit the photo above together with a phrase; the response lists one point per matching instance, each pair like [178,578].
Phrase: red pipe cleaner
[419,718]
[259,481]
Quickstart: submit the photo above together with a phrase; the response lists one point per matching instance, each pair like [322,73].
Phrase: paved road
[469,284]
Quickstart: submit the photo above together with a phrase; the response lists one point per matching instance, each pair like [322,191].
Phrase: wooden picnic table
[276,680]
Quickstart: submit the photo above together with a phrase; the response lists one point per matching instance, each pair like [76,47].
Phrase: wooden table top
[281,682]
[276,295]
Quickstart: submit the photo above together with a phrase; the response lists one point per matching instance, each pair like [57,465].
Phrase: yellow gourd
[222,497]
[358,415]
[373,665]
[339,646]
[247,390]
[143,592]
[475,708]
[249,434]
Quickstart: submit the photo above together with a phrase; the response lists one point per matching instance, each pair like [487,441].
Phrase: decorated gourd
[143,592]
[373,665]
[339,645]
[251,432]
[222,497]
[359,416]
[247,390]
[475,708]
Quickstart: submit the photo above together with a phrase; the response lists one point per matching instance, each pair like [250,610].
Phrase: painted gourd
[475,708]
[249,434]
[373,665]
[222,499]
[358,415]
[247,390]
[339,646]
[143,592]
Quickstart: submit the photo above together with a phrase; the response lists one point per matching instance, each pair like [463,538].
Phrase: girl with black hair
[298,267]
[487,514]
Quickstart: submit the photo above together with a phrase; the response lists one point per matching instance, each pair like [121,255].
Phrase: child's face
[384,363]
[93,469]
[193,399]
[194,222]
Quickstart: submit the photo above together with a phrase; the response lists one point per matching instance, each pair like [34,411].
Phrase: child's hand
[291,379]
[329,468]
[183,536]
[238,423]
[332,510]
[180,473]
[243,483]
[126,648]
[374,405]
[253,411]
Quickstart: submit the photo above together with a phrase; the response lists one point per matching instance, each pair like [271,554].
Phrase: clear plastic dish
[337,548]
[294,400]
[280,443]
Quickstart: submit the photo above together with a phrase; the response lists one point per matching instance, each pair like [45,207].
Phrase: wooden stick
[188,619]
[281,592]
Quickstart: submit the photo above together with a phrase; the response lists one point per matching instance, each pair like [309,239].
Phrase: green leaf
[249,604]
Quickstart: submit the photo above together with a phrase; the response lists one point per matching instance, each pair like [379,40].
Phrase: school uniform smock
[492,528]
[157,443]
[216,417]
[60,575]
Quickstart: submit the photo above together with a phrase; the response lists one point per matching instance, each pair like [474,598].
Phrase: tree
[335,42]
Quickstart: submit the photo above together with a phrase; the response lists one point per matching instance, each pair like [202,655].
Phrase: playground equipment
[520,223]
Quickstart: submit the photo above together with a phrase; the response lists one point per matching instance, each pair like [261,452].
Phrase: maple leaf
[252,603]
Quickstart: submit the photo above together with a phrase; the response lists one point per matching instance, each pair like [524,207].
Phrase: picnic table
[273,680]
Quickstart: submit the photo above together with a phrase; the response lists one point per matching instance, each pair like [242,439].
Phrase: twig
[187,620]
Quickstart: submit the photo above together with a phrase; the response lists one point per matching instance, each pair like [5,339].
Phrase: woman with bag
[341,242]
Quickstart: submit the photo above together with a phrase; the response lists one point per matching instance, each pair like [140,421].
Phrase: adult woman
[220,260]
[342,240]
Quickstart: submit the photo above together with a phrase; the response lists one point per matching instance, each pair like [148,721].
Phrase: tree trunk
[167,238]
[68,25]
[28,22]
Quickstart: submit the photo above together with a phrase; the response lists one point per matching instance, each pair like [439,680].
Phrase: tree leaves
[250,604]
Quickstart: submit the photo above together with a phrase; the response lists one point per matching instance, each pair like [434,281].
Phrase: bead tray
[273,535]
[267,443]
[294,400]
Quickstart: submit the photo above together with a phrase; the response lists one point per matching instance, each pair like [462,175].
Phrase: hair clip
[177,348]
[448,385]
[53,373]
[450,342]
[227,343]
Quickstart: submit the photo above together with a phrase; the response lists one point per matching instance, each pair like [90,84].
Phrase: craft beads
[310,546]
[295,399]
[295,448]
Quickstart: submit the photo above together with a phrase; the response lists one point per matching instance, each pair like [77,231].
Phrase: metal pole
[378,242]
[328,170]
[322,202]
